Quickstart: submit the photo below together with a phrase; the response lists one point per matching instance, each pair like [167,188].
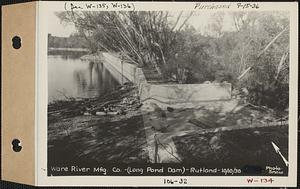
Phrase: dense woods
[254,56]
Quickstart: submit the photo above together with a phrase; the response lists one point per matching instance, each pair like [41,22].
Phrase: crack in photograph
[203,92]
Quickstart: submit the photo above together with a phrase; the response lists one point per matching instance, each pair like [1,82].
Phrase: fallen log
[232,128]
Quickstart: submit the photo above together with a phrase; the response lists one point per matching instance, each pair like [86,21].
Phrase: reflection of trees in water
[67,54]
[106,81]
[94,80]
[90,74]
[80,81]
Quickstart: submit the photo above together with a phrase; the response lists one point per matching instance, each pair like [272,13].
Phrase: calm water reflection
[73,77]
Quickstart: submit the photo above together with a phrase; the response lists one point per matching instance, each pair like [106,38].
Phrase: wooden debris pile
[117,102]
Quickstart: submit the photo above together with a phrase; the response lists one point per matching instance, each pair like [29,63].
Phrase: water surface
[69,76]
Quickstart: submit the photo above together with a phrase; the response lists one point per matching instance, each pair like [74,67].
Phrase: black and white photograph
[156,93]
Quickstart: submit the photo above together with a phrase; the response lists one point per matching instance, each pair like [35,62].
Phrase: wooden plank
[233,128]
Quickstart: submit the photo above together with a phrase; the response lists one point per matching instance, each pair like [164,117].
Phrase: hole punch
[16,145]
[16,42]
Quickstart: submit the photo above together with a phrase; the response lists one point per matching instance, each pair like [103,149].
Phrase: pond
[69,76]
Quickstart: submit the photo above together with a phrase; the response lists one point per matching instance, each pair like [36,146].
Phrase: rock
[170,109]
[256,132]
[100,113]
[214,142]
[112,113]
[133,158]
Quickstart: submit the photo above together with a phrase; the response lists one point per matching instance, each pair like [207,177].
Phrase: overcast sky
[56,28]
[199,20]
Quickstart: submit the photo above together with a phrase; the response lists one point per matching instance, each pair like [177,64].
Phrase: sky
[200,20]
[56,28]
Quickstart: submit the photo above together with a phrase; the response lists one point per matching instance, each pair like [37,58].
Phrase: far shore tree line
[253,56]
[73,41]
